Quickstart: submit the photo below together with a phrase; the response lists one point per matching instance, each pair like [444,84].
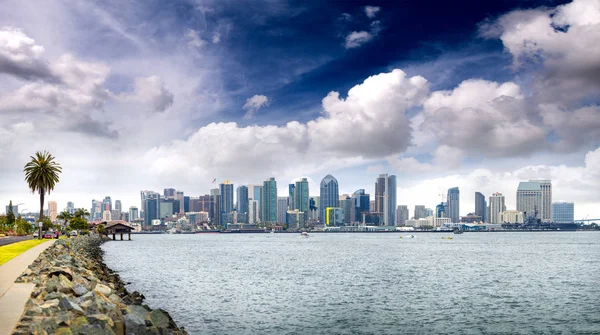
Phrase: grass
[8,252]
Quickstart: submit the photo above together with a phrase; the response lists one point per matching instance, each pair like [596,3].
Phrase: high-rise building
[215,196]
[96,211]
[268,203]
[329,195]
[151,206]
[186,204]
[385,198]
[314,209]
[348,209]
[133,213]
[116,212]
[441,211]
[419,212]
[143,196]
[253,209]
[169,193]
[292,196]
[563,212]
[181,198]
[295,220]
[480,206]
[70,208]
[226,192]
[361,205]
[545,212]
[242,204]
[453,200]
[401,215]
[529,199]
[107,201]
[301,197]
[106,215]
[15,209]
[497,206]
[282,209]
[334,216]
[52,210]
[166,208]
[510,217]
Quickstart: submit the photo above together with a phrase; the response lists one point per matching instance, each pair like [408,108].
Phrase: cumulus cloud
[371,11]
[444,158]
[253,104]
[21,56]
[576,128]
[357,38]
[152,91]
[563,40]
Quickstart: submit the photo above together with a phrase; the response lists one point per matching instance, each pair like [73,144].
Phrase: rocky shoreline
[76,293]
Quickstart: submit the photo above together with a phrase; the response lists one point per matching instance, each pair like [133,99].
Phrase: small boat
[447,238]
[304,234]
[458,231]
[411,236]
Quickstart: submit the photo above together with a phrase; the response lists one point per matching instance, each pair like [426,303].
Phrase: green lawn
[8,252]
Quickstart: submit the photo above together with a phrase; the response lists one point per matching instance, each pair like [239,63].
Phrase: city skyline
[141,95]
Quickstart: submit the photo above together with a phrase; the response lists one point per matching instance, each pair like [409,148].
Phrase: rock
[57,271]
[63,331]
[49,307]
[116,299]
[134,324]
[52,284]
[90,307]
[80,290]
[160,318]
[101,288]
[53,295]
[103,320]
[65,284]
[68,305]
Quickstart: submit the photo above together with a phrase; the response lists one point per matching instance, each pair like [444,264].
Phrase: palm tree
[41,174]
[81,212]
[66,216]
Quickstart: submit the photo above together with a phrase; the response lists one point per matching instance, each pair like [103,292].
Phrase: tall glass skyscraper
[242,204]
[226,192]
[329,195]
[563,212]
[385,198]
[361,201]
[268,203]
[480,206]
[301,199]
[453,201]
[529,199]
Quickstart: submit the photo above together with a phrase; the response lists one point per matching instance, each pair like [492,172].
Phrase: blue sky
[133,95]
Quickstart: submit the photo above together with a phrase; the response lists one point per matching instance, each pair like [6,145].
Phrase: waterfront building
[419,212]
[152,207]
[300,200]
[361,205]
[169,193]
[180,198]
[471,218]
[348,209]
[385,198]
[215,196]
[118,206]
[70,208]
[440,222]
[253,209]
[52,210]
[372,206]
[329,195]
[268,204]
[197,218]
[480,206]
[511,216]
[166,208]
[242,203]
[282,209]
[401,215]
[133,213]
[529,199]
[314,209]
[429,212]
[545,212]
[440,210]
[334,216]
[186,204]
[292,196]
[143,196]
[295,219]
[453,200]
[226,192]
[254,192]
[497,206]
[563,212]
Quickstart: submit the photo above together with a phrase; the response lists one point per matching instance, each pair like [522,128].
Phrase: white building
[497,206]
[253,210]
[511,217]
[529,199]
[545,213]
[106,216]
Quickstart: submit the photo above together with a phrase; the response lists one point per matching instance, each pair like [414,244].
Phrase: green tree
[23,227]
[78,224]
[100,229]
[41,175]
[81,213]
[65,216]
[46,223]
[10,216]
[3,225]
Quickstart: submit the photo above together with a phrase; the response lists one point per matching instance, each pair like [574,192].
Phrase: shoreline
[77,293]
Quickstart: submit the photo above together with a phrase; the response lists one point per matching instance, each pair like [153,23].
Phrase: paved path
[14,296]
[13,239]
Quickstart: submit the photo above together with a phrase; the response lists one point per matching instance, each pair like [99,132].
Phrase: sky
[133,95]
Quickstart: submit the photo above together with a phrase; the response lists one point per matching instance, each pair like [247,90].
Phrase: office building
[314,208]
[453,200]
[166,208]
[253,209]
[268,203]
[292,196]
[70,208]
[529,199]
[497,206]
[282,209]
[226,192]
[329,195]
[563,212]
[348,210]
[105,202]
[242,204]
[52,210]
[186,204]
[106,215]
[180,198]
[151,207]
[419,212]
[385,198]
[169,193]
[480,206]
[301,199]
[401,215]
[96,210]
[295,219]
[215,196]
[440,210]
[545,211]
[133,213]
[334,216]
[511,217]
[361,205]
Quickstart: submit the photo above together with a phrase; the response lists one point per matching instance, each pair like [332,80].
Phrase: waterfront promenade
[14,296]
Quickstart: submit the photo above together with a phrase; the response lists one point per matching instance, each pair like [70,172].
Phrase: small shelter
[118,228]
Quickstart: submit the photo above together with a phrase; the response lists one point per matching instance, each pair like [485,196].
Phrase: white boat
[304,234]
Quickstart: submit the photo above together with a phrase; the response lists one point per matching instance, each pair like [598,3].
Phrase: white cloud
[21,56]
[357,38]
[216,37]
[253,104]
[150,90]
[194,40]
[371,11]
[444,158]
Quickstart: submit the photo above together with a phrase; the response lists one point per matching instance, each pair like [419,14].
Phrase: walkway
[14,296]
[13,239]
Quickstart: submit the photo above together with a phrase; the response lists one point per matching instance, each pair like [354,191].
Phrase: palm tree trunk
[41,205]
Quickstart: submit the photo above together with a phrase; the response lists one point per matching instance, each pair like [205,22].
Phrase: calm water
[501,283]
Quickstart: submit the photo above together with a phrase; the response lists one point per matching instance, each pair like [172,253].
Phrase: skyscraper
[529,199]
[268,203]
[242,204]
[133,213]
[107,201]
[151,207]
[563,212]
[401,215]
[441,211]
[253,209]
[361,204]
[314,209]
[453,208]
[96,212]
[52,210]
[497,206]
[143,196]
[186,204]
[282,208]
[181,198]
[419,212]
[301,198]
[70,207]
[545,212]
[348,209]
[169,193]
[329,195]
[292,196]
[215,198]
[226,192]
[385,198]
[480,206]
